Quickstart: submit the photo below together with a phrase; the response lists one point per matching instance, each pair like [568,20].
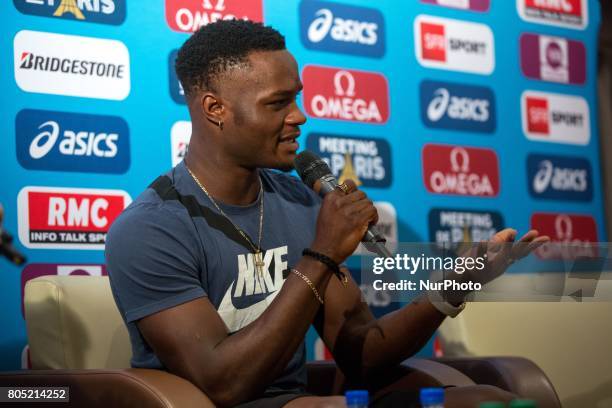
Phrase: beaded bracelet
[327,261]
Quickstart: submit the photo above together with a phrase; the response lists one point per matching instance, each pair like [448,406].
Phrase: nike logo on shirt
[234,309]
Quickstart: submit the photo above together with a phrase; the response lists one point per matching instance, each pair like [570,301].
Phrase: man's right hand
[343,220]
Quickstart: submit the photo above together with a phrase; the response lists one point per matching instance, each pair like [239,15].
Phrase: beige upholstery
[78,339]
[73,322]
[571,341]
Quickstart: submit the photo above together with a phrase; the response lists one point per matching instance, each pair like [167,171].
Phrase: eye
[281,103]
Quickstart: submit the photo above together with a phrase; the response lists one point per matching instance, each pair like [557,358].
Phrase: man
[206,265]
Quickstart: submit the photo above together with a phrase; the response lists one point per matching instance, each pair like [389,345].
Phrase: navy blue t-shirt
[171,245]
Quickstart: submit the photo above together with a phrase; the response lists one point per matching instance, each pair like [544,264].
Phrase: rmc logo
[342,94]
[61,141]
[67,218]
[563,13]
[454,106]
[188,15]
[339,28]
[460,170]
[92,11]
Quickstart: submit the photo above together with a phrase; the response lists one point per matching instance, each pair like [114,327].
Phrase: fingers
[528,243]
[505,235]
[529,236]
[364,210]
[353,197]
[348,186]
[539,241]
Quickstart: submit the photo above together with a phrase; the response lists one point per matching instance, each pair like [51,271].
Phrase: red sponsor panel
[460,170]
[189,15]
[70,218]
[537,115]
[570,234]
[433,42]
[568,7]
[73,212]
[342,94]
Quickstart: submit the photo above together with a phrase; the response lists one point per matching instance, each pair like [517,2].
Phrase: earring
[220,124]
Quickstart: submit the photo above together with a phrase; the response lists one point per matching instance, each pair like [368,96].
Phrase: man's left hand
[502,250]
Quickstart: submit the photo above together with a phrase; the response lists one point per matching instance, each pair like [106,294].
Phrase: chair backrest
[570,341]
[73,322]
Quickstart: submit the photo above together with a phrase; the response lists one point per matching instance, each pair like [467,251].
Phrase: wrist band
[327,261]
[309,283]
[442,305]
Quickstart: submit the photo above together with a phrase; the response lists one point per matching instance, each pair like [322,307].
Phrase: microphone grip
[8,250]
[373,241]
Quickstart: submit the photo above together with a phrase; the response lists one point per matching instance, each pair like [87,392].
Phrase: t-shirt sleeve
[152,256]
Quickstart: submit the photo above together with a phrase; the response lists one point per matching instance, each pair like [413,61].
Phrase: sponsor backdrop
[458,117]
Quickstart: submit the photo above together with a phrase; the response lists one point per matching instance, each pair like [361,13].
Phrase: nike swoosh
[235,319]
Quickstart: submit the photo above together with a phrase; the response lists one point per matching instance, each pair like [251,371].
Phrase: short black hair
[216,47]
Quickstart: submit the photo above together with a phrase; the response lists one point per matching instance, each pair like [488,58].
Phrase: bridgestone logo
[59,64]
[73,66]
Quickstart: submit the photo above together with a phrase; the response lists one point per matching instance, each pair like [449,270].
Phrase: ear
[212,107]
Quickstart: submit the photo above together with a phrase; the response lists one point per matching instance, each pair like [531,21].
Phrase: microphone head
[310,167]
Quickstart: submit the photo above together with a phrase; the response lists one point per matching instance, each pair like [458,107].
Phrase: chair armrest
[324,377]
[125,388]
[515,374]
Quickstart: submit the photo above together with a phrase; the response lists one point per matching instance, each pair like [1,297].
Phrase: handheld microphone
[311,169]
[6,248]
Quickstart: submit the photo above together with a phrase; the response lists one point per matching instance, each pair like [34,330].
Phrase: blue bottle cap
[357,397]
[431,396]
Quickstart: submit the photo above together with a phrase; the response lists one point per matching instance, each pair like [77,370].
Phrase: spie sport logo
[67,218]
[92,11]
[554,59]
[459,170]
[188,15]
[454,106]
[342,94]
[340,28]
[61,141]
[549,117]
[563,13]
[454,45]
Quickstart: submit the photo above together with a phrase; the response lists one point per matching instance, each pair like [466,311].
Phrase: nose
[296,117]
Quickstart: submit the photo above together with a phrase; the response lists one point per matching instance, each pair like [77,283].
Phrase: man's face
[262,117]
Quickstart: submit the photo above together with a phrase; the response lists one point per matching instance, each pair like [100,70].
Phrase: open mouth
[290,140]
